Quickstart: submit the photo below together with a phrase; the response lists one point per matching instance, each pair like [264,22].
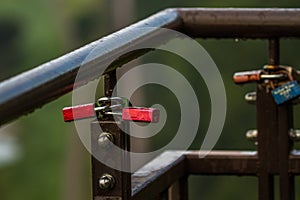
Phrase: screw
[251,97]
[294,135]
[251,135]
[105,139]
[106,182]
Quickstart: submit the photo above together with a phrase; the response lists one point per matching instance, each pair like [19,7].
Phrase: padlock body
[286,92]
[78,112]
[246,77]
[141,114]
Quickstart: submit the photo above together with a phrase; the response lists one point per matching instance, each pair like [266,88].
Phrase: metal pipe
[33,89]
[274,51]
[241,22]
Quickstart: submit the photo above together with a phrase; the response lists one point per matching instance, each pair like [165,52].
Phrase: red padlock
[147,115]
[79,112]
[141,114]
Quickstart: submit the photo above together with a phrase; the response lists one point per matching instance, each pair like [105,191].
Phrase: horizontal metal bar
[34,88]
[232,163]
[241,22]
[30,90]
[222,163]
[158,175]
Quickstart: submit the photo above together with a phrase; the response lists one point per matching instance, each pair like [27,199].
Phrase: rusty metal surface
[160,173]
[240,23]
[284,123]
[274,144]
[222,163]
[267,132]
[30,90]
[274,48]
[267,143]
[171,166]
[122,187]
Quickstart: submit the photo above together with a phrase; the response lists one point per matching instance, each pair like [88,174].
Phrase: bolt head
[294,134]
[106,182]
[105,139]
[252,135]
[251,97]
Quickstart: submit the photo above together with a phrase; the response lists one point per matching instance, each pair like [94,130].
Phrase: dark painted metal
[274,144]
[240,23]
[294,163]
[122,188]
[274,48]
[30,90]
[267,142]
[179,189]
[110,80]
[267,131]
[287,182]
[158,175]
[164,195]
[154,177]
[284,123]
[222,163]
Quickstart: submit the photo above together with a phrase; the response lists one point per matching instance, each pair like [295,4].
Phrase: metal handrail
[32,89]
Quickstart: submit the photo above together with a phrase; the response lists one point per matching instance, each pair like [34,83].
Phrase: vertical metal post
[274,145]
[267,143]
[121,188]
[164,196]
[267,120]
[287,182]
[110,80]
[284,124]
[179,190]
[274,50]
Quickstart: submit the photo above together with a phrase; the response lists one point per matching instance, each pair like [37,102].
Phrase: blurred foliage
[33,32]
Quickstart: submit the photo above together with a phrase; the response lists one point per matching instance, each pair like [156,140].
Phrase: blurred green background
[42,158]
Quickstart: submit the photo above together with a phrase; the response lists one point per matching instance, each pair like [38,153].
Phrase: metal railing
[49,81]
